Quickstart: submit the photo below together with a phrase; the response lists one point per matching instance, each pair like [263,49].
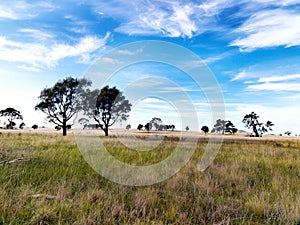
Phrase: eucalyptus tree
[62,101]
[251,122]
[106,107]
[11,114]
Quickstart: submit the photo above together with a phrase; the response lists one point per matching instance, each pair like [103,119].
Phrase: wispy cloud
[29,68]
[284,86]
[239,76]
[276,2]
[7,13]
[36,34]
[265,27]
[21,9]
[280,78]
[269,28]
[163,18]
[277,83]
[214,7]
[171,19]
[217,58]
[49,55]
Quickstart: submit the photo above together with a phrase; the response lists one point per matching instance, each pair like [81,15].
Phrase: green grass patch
[250,182]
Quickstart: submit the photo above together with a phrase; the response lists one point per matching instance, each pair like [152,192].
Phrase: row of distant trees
[251,122]
[105,107]
[221,126]
[156,124]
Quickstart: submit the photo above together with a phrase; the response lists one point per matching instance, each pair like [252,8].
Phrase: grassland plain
[252,181]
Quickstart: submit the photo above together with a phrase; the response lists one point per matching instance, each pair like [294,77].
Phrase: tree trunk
[106,131]
[255,131]
[64,127]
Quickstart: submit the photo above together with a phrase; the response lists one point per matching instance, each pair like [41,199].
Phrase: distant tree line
[103,108]
[156,124]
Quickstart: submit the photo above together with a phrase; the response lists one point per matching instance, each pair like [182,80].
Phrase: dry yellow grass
[252,181]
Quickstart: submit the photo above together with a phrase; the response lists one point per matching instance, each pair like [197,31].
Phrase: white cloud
[275,87]
[239,76]
[172,21]
[216,58]
[49,55]
[36,34]
[279,78]
[29,68]
[269,28]
[20,9]
[163,18]
[276,2]
[152,100]
[125,52]
[276,83]
[7,13]
[214,7]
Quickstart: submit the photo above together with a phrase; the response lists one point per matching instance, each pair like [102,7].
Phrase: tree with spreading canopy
[220,126]
[11,114]
[106,107]
[251,122]
[224,126]
[62,101]
[156,122]
[230,128]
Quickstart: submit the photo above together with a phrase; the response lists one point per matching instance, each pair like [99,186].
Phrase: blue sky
[251,46]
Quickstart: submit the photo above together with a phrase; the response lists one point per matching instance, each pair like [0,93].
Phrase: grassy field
[250,182]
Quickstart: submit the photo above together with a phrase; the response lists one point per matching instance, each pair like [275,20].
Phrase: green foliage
[106,107]
[224,126]
[251,122]
[11,114]
[155,122]
[148,126]
[205,129]
[22,125]
[63,100]
[140,127]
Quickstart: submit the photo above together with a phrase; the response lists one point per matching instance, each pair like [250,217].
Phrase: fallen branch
[44,196]
[5,162]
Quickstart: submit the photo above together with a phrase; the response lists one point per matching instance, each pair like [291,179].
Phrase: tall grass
[248,183]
